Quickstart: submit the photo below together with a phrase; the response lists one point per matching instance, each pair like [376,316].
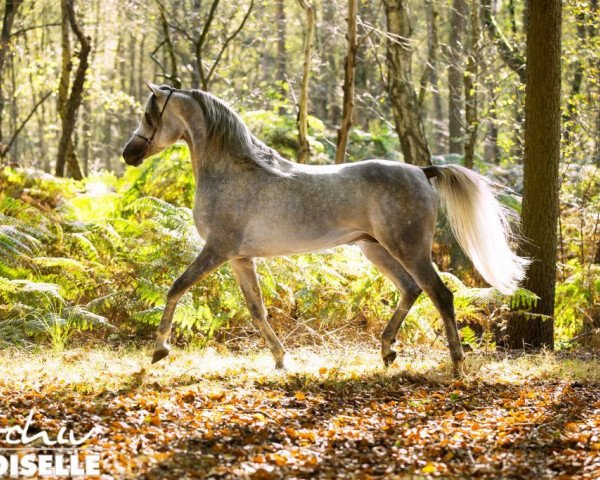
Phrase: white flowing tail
[480,223]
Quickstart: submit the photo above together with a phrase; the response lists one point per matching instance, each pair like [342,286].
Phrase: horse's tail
[480,223]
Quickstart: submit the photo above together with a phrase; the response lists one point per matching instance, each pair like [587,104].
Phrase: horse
[251,202]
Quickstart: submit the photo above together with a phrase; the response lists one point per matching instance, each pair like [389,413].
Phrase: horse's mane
[226,131]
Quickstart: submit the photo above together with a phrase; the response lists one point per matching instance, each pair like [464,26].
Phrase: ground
[335,413]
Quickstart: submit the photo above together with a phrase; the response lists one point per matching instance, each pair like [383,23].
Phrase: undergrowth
[96,258]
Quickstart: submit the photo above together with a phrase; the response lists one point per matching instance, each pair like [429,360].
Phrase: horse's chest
[201,219]
[212,215]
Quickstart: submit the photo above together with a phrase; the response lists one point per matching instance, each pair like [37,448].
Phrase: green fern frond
[523,299]
[16,242]
[151,316]
[64,264]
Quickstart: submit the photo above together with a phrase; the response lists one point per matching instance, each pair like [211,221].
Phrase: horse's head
[158,129]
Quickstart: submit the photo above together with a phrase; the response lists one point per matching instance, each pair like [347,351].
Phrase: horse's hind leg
[245,272]
[206,262]
[419,265]
[407,287]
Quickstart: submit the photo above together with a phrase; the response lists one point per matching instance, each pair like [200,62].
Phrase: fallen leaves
[310,425]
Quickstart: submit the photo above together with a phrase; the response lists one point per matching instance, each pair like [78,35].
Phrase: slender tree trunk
[430,75]
[141,57]
[470,85]
[458,21]
[409,126]
[66,151]
[593,32]
[173,76]
[512,16]
[64,82]
[492,152]
[132,57]
[540,186]
[10,11]
[349,69]
[302,121]
[13,111]
[327,98]
[513,59]
[281,52]
[596,154]
[577,78]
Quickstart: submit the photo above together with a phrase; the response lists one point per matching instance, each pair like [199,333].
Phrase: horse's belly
[275,244]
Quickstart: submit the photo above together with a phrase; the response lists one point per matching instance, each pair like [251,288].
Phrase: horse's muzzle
[133,154]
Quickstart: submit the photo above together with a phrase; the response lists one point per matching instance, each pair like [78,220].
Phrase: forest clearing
[272,239]
[335,410]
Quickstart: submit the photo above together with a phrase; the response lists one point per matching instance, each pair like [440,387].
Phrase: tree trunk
[540,186]
[173,76]
[199,45]
[64,82]
[470,84]
[281,54]
[596,154]
[141,57]
[349,69]
[10,11]
[66,150]
[131,66]
[577,78]
[492,152]
[409,126]
[458,21]
[326,98]
[302,121]
[430,75]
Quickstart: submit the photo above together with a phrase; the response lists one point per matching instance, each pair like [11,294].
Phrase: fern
[469,337]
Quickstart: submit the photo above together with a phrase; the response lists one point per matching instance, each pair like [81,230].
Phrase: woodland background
[86,243]
[89,248]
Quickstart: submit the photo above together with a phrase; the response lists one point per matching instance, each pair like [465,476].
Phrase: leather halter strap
[149,140]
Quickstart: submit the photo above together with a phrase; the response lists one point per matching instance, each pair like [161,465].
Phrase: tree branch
[508,53]
[23,123]
[228,41]
[198,44]
[33,27]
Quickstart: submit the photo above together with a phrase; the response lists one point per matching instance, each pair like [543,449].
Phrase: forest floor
[334,413]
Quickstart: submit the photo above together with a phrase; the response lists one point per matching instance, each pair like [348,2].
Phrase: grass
[104,368]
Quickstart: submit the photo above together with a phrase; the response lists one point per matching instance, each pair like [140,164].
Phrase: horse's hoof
[279,365]
[159,354]
[389,358]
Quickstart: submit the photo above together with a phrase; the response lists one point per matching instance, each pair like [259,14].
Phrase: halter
[149,140]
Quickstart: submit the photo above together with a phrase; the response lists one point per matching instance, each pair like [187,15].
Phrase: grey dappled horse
[250,202]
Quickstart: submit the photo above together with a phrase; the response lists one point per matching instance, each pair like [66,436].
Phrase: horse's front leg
[245,272]
[208,260]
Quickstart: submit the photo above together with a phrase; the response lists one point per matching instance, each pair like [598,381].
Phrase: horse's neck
[213,163]
[206,164]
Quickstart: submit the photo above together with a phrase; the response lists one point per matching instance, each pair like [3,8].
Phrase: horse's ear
[155,89]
